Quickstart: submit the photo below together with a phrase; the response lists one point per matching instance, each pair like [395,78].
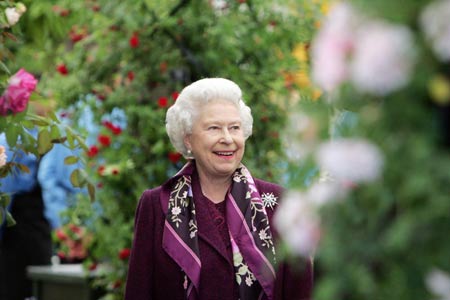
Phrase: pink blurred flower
[435,25]
[354,160]
[332,47]
[376,57]
[383,58]
[298,223]
[18,92]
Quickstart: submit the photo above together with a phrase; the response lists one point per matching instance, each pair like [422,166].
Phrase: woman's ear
[187,141]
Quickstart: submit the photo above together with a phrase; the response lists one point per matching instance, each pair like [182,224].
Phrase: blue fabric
[54,177]
[51,173]
[18,182]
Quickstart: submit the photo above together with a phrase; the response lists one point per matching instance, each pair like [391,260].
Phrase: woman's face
[217,140]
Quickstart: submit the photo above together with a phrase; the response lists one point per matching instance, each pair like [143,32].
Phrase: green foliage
[134,54]
[384,238]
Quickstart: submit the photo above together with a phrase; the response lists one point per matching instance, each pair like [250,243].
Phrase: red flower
[163,67]
[92,266]
[93,151]
[162,102]
[116,130]
[107,124]
[100,185]
[175,96]
[75,229]
[61,254]
[64,12]
[124,253]
[99,95]
[115,171]
[100,170]
[130,75]
[64,114]
[117,284]
[62,69]
[264,118]
[174,157]
[104,140]
[134,40]
[76,37]
[61,235]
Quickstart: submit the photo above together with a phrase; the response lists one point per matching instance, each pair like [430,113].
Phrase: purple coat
[154,275]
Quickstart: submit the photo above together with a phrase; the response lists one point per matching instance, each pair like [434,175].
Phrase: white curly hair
[181,116]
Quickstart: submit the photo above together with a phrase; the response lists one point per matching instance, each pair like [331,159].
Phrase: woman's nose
[226,137]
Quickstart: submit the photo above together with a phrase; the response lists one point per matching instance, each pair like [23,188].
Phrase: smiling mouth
[224,153]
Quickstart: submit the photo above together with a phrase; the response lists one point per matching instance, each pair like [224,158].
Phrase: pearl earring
[189,152]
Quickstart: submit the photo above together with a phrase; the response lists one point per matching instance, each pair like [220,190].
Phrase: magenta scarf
[248,225]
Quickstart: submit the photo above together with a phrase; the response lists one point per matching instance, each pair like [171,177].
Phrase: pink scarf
[249,229]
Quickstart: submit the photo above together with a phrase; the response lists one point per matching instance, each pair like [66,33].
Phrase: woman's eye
[235,127]
[213,127]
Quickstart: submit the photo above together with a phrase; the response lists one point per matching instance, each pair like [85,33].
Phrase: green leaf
[55,134]
[28,124]
[38,120]
[52,116]
[70,160]
[77,179]
[23,168]
[12,134]
[4,68]
[5,199]
[70,138]
[44,142]
[91,191]
[82,143]
[9,219]
[5,170]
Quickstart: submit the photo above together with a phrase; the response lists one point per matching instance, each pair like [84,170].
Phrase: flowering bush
[72,242]
[137,65]
[17,120]
[362,198]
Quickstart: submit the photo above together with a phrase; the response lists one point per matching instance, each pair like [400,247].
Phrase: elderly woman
[207,233]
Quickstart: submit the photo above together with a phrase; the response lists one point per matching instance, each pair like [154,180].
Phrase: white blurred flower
[435,23]
[326,191]
[383,58]
[219,6]
[12,15]
[332,47]
[300,136]
[354,160]
[21,8]
[2,156]
[438,283]
[298,223]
